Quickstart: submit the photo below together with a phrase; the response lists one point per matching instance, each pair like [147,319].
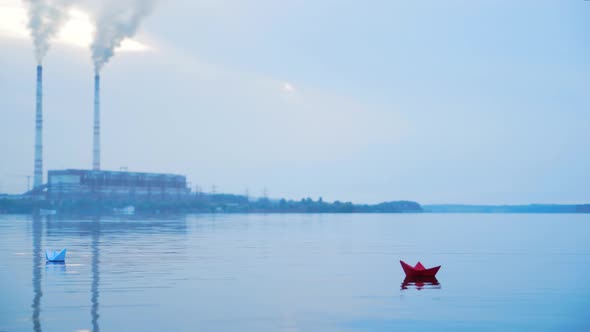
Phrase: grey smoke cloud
[45,19]
[116,20]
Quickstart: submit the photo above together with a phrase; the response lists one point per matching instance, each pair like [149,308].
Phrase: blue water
[499,272]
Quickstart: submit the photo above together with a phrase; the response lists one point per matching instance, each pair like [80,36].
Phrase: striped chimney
[96,147]
[38,167]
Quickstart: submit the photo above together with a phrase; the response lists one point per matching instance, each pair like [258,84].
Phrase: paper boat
[418,271]
[46,212]
[55,256]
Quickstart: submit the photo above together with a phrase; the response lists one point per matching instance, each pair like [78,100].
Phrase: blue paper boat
[55,256]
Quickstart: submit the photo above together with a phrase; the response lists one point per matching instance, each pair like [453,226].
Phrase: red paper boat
[419,271]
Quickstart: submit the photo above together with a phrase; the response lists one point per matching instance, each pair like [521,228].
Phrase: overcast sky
[454,101]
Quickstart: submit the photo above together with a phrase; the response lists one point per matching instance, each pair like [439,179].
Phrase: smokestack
[96,149]
[38,168]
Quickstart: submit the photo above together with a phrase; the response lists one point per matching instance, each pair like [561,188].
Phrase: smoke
[117,20]
[45,19]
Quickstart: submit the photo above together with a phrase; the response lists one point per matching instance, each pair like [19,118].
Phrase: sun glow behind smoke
[288,87]
[78,30]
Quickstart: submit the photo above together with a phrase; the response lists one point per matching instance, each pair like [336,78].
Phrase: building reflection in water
[95,228]
[420,283]
[37,260]
[95,273]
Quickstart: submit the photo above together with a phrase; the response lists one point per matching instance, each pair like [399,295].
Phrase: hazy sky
[484,101]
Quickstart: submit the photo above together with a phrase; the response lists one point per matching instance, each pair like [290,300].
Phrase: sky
[456,101]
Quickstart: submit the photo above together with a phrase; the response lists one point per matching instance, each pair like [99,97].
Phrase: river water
[291,272]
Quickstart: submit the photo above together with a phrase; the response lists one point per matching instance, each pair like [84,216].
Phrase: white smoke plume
[45,19]
[117,20]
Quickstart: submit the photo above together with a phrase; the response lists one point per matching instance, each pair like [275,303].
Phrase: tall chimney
[38,171]
[96,149]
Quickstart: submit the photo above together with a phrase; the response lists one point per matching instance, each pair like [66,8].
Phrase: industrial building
[95,184]
[115,185]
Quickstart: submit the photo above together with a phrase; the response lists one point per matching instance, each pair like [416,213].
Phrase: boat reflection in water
[420,283]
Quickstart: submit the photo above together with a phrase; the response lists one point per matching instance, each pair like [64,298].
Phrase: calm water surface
[296,273]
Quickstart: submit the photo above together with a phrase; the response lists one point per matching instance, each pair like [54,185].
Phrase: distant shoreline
[530,208]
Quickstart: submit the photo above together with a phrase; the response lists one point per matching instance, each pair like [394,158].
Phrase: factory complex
[113,185]
[97,184]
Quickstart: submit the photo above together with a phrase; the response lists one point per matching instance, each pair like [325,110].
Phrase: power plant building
[115,185]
